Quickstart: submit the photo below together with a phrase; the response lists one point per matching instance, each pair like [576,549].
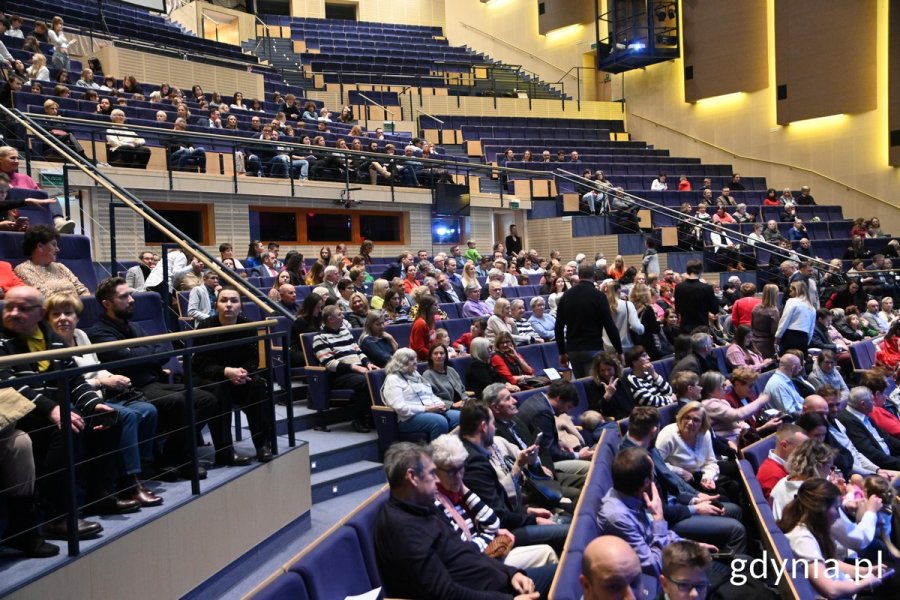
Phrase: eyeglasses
[454,471]
[693,420]
[24,309]
[685,587]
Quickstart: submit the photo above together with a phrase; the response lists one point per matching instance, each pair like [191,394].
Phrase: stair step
[345,479]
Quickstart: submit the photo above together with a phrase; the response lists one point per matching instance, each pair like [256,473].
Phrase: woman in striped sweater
[470,517]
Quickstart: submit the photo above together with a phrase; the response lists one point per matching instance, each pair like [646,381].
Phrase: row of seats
[126,21]
[460,121]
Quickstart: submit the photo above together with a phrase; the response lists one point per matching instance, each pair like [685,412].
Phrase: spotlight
[672,13]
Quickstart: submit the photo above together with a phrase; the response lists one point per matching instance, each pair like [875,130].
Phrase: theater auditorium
[438,299]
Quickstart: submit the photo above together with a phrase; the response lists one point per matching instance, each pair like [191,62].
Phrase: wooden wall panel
[562,13]
[725,47]
[825,58]
[894,85]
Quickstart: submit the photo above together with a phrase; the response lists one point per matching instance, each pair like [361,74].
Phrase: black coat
[868,446]
[481,478]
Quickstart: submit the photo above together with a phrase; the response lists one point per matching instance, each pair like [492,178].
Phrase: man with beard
[117,300]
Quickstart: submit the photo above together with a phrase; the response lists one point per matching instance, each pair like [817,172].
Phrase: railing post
[270,389]
[192,417]
[67,203]
[65,426]
[113,205]
[289,400]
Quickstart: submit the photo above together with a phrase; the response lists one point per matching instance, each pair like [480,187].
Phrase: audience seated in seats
[885,420]
[182,151]
[283,278]
[727,422]
[525,333]
[509,366]
[742,352]
[430,559]
[345,362]
[652,339]
[645,386]
[124,147]
[467,514]
[191,277]
[542,322]
[699,360]
[9,165]
[375,342]
[410,395]
[136,276]
[826,373]
[232,374]
[138,417]
[772,470]
[809,522]
[358,307]
[493,470]
[690,513]
[476,329]
[610,566]
[474,306]
[117,301]
[780,388]
[809,460]
[625,506]
[40,270]
[25,331]
[17,466]
[443,378]
[686,446]
[202,298]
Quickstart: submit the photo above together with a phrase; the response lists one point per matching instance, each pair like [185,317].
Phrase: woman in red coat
[422,334]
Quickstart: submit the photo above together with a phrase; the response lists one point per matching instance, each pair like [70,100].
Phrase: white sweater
[680,457]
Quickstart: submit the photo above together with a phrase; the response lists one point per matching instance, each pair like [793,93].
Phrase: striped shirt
[333,348]
[649,391]
[485,525]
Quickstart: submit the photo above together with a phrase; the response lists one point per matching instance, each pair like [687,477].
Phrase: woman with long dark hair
[807,523]
[742,351]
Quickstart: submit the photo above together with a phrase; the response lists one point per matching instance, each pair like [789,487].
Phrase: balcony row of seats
[127,22]
[460,121]
[486,132]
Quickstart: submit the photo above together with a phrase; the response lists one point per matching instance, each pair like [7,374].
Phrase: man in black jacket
[538,413]
[232,373]
[398,269]
[582,315]
[690,514]
[694,300]
[529,525]
[879,447]
[114,324]
[418,553]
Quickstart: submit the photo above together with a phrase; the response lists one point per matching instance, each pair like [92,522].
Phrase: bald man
[610,569]
[781,390]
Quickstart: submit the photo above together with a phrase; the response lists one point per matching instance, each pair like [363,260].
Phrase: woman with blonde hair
[625,316]
[686,446]
[764,321]
[809,460]
[798,320]
[379,287]
[316,274]
[656,345]
[501,321]
[38,70]
[468,275]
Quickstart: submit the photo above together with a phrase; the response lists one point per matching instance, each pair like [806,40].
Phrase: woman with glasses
[418,409]
[808,521]
[825,372]
[726,421]
[686,447]
[470,517]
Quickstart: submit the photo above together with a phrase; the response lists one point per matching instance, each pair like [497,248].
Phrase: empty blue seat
[317,567]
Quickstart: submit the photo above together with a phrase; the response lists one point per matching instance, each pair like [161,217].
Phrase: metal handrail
[763,160]
[91,348]
[145,212]
[268,35]
[390,112]
[513,46]
[420,111]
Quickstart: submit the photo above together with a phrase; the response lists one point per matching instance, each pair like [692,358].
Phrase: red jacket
[8,277]
[500,365]
[420,338]
[885,421]
[888,355]
[770,473]
[742,309]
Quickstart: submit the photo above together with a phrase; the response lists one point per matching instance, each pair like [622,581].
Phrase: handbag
[499,547]
[13,406]
[124,396]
